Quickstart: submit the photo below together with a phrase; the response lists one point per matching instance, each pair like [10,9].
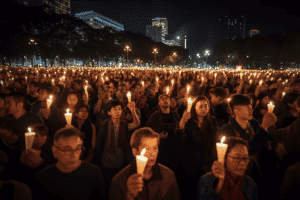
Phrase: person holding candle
[41,103]
[53,182]
[198,128]
[32,94]
[228,180]
[157,181]
[261,107]
[241,124]
[112,150]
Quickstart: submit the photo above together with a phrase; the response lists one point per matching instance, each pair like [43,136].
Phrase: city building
[253,32]
[98,21]
[61,7]
[154,32]
[179,38]
[232,26]
[163,23]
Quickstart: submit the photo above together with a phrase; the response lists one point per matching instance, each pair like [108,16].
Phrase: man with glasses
[241,124]
[69,178]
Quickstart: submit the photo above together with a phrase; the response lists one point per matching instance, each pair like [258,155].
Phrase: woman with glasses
[228,180]
[87,128]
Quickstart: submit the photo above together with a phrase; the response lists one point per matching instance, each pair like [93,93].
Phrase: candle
[188,89]
[143,83]
[190,102]
[68,116]
[228,100]
[271,107]
[260,82]
[167,90]
[157,79]
[172,82]
[129,96]
[141,162]
[49,102]
[250,81]
[221,150]
[202,79]
[29,137]
[283,93]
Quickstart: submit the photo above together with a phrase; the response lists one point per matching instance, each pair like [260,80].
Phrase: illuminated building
[98,21]
[253,32]
[59,6]
[179,38]
[163,23]
[232,26]
[154,32]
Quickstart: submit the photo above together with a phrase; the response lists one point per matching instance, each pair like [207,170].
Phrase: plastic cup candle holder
[49,101]
[141,162]
[221,150]
[129,96]
[29,137]
[68,117]
[271,107]
[190,102]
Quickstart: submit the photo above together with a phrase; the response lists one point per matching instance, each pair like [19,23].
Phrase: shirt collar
[156,171]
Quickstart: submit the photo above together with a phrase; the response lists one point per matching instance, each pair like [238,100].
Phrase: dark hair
[66,133]
[207,118]
[8,123]
[42,129]
[45,88]
[18,97]
[232,142]
[239,99]
[137,135]
[220,92]
[113,103]
[289,98]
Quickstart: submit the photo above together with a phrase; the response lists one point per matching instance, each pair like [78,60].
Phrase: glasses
[239,159]
[69,151]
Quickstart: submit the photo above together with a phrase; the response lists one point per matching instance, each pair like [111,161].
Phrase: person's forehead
[117,107]
[72,141]
[164,98]
[239,149]
[201,102]
[149,142]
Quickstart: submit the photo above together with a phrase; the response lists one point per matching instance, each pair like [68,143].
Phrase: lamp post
[206,54]
[127,48]
[32,42]
[174,55]
[155,52]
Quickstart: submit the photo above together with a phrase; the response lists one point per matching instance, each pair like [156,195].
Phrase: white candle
[49,101]
[188,89]
[29,137]
[68,116]
[221,150]
[143,84]
[260,82]
[141,162]
[172,82]
[167,90]
[190,102]
[271,107]
[129,96]
[283,93]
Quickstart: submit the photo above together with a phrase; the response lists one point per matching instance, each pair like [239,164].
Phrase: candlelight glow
[68,110]
[143,152]
[223,139]
[29,129]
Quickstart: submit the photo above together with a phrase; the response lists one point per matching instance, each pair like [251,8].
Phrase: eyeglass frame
[238,160]
[69,151]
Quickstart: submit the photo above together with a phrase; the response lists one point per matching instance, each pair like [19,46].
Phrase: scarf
[231,189]
[121,140]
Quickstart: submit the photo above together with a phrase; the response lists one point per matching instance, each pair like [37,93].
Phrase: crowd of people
[118,112]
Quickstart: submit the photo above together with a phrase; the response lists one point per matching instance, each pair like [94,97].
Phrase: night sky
[267,17]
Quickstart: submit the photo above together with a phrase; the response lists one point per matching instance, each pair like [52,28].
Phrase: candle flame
[143,152]
[190,100]
[50,97]
[271,103]
[128,94]
[29,129]
[223,139]
[68,110]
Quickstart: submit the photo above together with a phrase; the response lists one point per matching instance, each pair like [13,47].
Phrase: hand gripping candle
[271,107]
[141,162]
[190,102]
[68,117]
[221,150]
[29,137]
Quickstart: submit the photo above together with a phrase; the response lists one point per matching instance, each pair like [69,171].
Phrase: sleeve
[117,189]
[205,189]
[258,141]
[173,190]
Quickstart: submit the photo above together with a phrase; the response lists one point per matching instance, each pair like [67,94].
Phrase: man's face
[67,150]
[39,140]
[11,105]
[42,95]
[216,100]
[115,112]
[151,146]
[31,89]
[137,89]
[72,100]
[244,112]
[164,102]
[83,113]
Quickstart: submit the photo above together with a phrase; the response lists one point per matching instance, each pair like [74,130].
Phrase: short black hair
[42,129]
[220,92]
[67,132]
[239,99]
[113,103]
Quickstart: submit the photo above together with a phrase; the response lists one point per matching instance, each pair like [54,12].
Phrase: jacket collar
[156,171]
[237,126]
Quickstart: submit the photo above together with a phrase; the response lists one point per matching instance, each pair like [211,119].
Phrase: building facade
[232,26]
[154,32]
[61,7]
[253,32]
[163,23]
[98,21]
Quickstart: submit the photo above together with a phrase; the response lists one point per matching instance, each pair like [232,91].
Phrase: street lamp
[155,52]
[127,48]
[206,54]
[32,42]
[174,55]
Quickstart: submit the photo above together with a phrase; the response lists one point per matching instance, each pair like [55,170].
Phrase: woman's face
[202,108]
[265,101]
[72,100]
[83,113]
[39,140]
[237,160]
